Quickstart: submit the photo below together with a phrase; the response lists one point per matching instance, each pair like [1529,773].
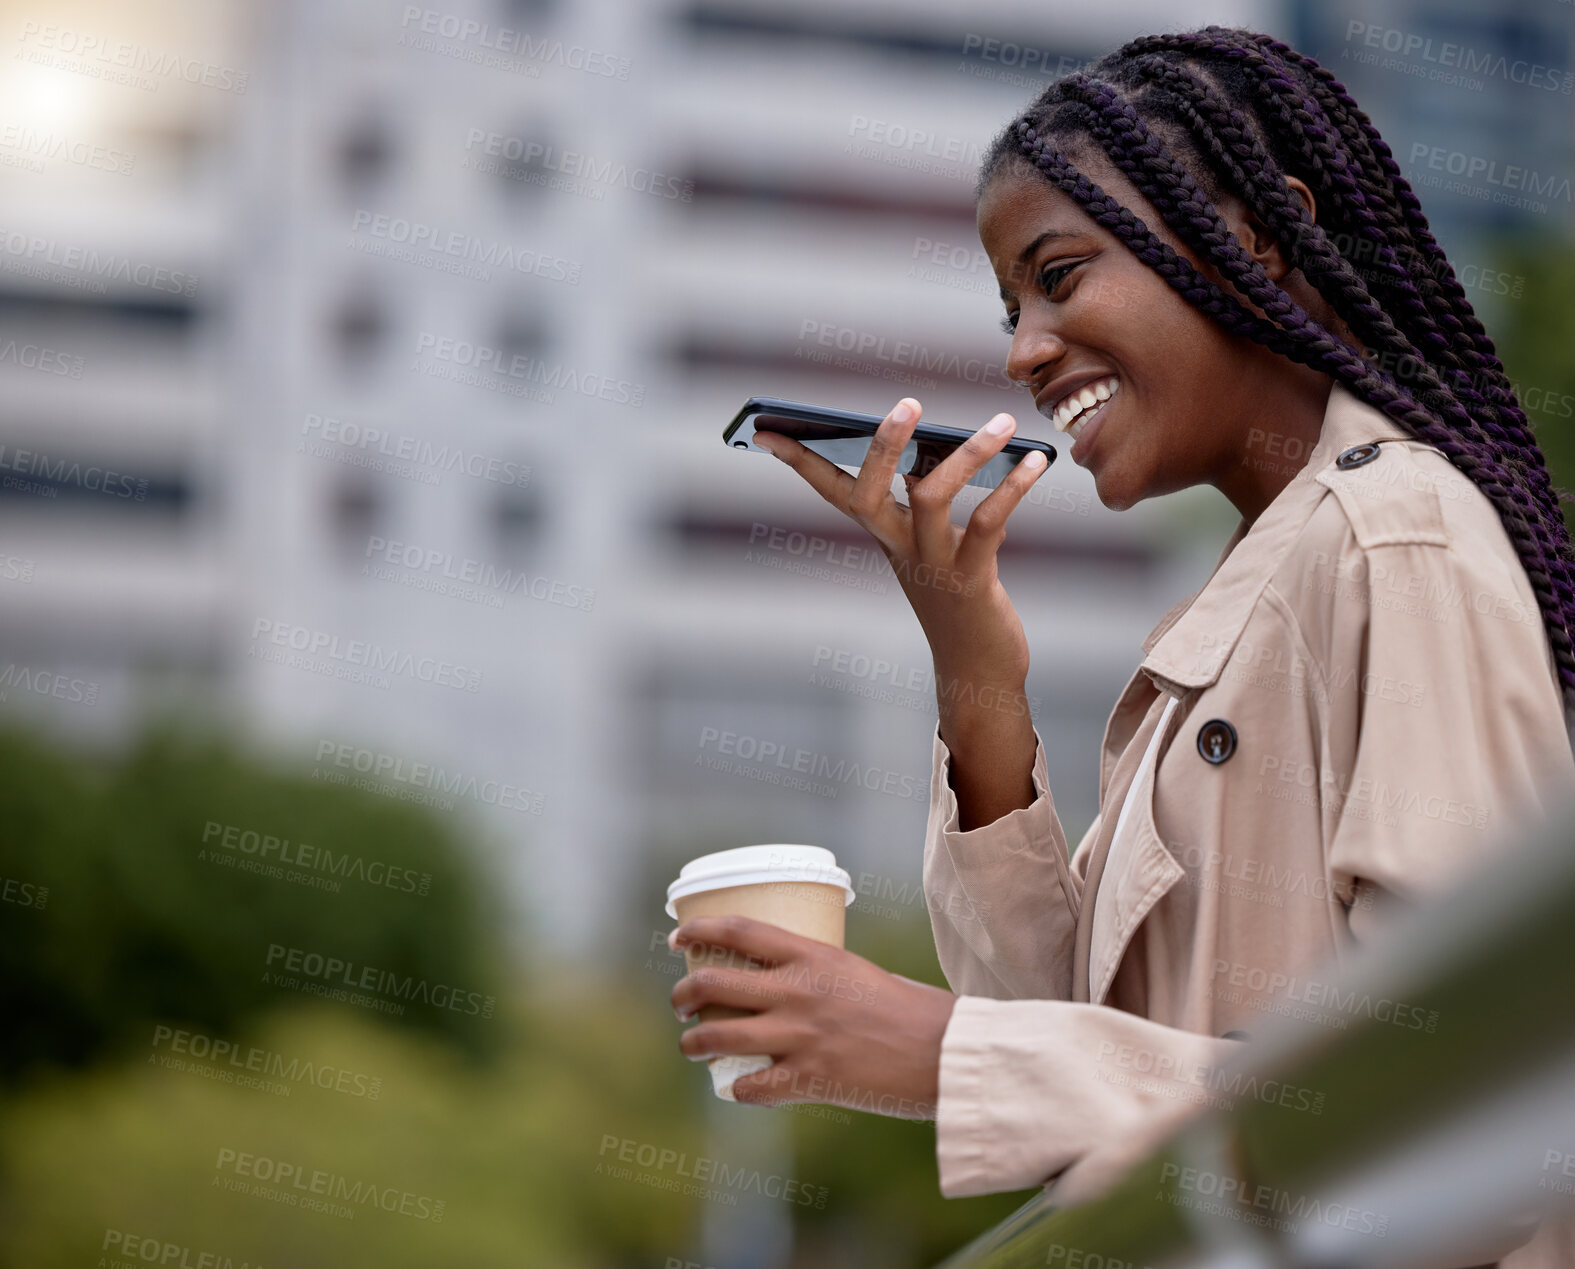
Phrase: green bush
[146,954]
[128,910]
[1534,335]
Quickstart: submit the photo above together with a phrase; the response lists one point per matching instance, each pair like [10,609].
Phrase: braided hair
[1186,117]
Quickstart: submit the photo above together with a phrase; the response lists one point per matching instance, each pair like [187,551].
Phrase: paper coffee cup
[799,888]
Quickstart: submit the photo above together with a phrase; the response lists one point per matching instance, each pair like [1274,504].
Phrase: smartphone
[843,436]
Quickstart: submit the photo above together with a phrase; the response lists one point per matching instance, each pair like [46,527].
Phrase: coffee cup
[799,888]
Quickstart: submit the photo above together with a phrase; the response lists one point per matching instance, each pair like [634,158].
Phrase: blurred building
[1474,101]
[407,335]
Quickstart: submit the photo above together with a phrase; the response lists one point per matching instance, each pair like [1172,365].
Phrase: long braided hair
[1188,116]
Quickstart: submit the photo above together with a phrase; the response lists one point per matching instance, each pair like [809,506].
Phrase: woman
[1370,690]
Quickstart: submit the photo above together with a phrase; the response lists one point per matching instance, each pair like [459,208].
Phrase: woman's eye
[1049,281]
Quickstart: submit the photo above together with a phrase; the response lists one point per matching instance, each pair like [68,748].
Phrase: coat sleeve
[1031,1081]
[1445,737]
[1003,897]
[1029,1088]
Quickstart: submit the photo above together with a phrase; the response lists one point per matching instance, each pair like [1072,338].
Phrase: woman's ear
[1299,188]
[1262,245]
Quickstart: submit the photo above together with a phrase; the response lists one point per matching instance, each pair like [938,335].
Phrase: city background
[362,371]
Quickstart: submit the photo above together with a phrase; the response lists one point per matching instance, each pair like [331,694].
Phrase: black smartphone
[843,436]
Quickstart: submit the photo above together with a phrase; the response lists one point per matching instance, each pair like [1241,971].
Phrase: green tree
[1535,335]
[142,893]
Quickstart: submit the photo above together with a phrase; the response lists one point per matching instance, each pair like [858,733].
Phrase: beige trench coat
[1363,702]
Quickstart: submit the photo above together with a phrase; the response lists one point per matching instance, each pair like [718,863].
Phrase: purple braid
[1304,341]
[1186,117]
[1157,254]
[1486,371]
[1386,205]
[1141,155]
[1242,163]
[1364,137]
[1170,187]
[1501,415]
[1311,251]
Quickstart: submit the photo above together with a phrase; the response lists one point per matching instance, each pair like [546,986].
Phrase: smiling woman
[1367,697]
[1071,288]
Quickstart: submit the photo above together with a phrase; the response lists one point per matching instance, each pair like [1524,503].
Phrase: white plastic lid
[752,865]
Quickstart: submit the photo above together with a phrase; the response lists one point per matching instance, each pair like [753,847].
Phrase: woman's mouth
[1078,413]
[1073,412]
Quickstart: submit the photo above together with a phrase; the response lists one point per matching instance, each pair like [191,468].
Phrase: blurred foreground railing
[1429,1144]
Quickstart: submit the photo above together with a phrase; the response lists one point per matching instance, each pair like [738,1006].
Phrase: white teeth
[1084,400]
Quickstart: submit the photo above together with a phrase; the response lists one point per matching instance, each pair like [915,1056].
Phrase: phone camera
[740,444]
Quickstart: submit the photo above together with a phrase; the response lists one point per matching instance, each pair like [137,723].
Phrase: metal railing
[1431,1146]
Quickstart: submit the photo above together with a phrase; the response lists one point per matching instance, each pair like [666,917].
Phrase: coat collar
[1191,644]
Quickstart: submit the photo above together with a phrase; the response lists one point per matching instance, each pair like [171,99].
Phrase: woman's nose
[1032,347]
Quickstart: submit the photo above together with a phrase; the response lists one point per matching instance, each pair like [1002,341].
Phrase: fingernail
[1035,460]
[760,441]
[999,424]
[903,413]
[672,939]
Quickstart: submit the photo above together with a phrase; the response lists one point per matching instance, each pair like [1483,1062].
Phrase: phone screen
[843,437]
[840,443]
[830,440]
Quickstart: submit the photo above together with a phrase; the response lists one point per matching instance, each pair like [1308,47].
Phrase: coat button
[1356,456]
[1216,740]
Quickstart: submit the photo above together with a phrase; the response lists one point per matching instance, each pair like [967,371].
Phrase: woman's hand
[948,573]
[841,1029]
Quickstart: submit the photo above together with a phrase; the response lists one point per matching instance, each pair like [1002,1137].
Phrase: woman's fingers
[867,498]
[784,1083]
[872,489]
[761,1034]
[755,989]
[770,1087]
[821,474]
[931,499]
[987,525]
[923,545]
[759,939]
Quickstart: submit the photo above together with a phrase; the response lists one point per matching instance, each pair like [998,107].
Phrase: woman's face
[1087,313]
